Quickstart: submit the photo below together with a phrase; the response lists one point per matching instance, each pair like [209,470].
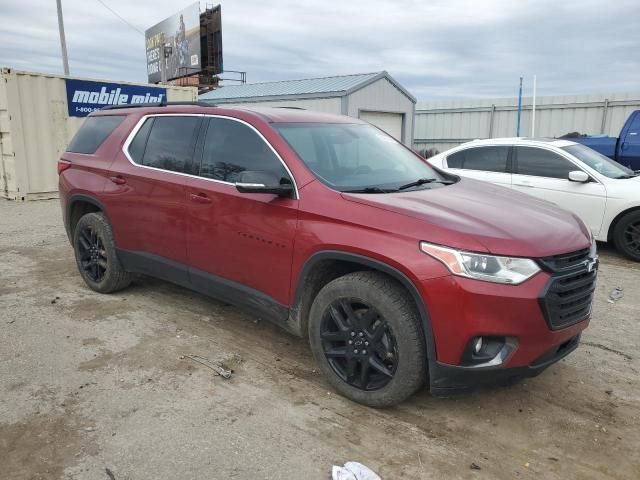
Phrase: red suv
[397,273]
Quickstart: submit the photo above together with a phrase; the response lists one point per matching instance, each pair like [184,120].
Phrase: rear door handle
[118,180]
[523,185]
[200,198]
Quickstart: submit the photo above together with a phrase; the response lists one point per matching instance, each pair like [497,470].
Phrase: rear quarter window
[93,132]
[486,159]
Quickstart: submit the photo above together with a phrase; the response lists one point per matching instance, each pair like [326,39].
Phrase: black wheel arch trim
[81,197]
[374,264]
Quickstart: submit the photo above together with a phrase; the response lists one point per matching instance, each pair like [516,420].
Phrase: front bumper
[461,309]
[452,379]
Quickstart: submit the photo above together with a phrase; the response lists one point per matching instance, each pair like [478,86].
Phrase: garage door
[389,122]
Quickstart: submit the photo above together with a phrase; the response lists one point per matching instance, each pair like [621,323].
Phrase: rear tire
[626,235]
[96,255]
[367,340]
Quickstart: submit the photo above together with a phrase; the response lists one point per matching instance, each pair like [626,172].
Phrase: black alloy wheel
[92,254]
[631,237]
[359,344]
[626,235]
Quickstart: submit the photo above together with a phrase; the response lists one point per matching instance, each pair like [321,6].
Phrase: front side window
[542,163]
[354,157]
[231,147]
[166,142]
[93,132]
[487,159]
[601,164]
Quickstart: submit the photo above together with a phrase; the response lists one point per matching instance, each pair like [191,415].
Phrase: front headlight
[490,268]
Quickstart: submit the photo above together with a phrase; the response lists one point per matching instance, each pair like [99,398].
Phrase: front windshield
[357,157]
[601,164]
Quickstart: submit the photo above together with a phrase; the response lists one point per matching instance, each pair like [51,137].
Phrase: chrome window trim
[134,131]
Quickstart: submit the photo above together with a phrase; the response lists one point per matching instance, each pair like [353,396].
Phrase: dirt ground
[91,382]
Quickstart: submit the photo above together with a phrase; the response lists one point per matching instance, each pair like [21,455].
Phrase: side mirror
[251,181]
[579,176]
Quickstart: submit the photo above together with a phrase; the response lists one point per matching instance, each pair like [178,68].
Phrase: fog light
[481,350]
[477,345]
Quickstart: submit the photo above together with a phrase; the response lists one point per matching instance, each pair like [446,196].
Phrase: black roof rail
[157,104]
[293,108]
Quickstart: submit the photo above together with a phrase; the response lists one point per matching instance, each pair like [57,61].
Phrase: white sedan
[603,193]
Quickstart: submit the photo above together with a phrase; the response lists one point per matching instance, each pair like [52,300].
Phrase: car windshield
[358,158]
[601,164]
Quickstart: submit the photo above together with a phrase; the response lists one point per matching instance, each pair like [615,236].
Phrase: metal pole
[519,109]
[491,115]
[605,107]
[63,41]
[533,109]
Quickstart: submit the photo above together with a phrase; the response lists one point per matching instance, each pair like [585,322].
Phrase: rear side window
[139,143]
[487,159]
[542,163]
[232,147]
[166,143]
[93,132]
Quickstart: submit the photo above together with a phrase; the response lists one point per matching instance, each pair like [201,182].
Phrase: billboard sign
[180,33]
[85,96]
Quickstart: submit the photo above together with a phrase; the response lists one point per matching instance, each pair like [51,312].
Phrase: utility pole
[519,109]
[533,109]
[63,41]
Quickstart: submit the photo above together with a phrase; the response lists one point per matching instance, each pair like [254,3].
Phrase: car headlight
[490,268]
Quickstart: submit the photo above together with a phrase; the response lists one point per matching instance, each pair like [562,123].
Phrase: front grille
[568,296]
[566,260]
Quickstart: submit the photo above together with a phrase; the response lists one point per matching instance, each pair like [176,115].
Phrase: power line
[119,16]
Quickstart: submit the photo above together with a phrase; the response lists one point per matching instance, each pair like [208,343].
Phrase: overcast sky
[437,49]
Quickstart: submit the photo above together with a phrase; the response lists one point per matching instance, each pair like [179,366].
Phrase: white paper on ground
[353,471]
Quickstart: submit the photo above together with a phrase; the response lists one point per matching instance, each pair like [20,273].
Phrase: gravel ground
[92,382]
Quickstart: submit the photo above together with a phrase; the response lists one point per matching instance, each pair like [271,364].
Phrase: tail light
[63,165]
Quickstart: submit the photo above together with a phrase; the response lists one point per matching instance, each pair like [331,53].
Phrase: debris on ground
[608,392]
[615,295]
[224,373]
[110,473]
[474,466]
[353,471]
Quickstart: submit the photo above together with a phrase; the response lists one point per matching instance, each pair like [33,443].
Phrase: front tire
[96,255]
[366,337]
[626,235]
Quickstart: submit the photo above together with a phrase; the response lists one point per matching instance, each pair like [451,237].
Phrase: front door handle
[118,180]
[200,198]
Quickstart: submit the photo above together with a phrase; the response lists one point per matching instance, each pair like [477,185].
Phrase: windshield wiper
[422,181]
[622,177]
[370,190]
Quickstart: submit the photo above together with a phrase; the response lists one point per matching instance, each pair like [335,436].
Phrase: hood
[479,216]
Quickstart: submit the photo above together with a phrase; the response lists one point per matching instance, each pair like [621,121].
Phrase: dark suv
[397,273]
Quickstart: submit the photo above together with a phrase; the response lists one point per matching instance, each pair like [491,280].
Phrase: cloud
[436,49]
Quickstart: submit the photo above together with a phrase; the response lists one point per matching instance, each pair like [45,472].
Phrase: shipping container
[36,127]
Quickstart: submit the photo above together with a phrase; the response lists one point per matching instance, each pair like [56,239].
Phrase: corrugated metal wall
[35,130]
[382,96]
[445,124]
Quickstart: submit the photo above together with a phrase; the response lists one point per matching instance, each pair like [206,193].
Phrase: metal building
[374,97]
[35,129]
[442,125]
